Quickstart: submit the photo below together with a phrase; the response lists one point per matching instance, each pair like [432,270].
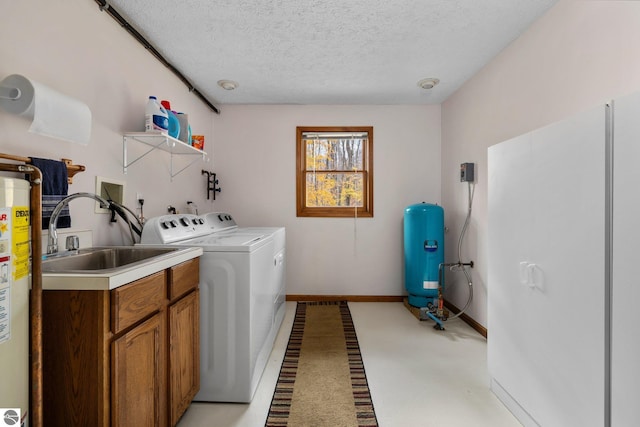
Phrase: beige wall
[256,151]
[72,47]
[580,54]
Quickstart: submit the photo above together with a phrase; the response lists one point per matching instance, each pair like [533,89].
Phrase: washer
[242,297]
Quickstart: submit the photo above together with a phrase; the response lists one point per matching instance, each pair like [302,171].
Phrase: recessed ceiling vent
[428,83]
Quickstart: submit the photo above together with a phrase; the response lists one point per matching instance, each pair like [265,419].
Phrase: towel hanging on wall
[54,188]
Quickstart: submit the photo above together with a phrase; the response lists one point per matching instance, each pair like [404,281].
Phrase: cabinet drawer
[183,278]
[133,302]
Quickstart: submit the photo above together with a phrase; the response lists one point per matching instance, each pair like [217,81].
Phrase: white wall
[255,162]
[580,54]
[72,47]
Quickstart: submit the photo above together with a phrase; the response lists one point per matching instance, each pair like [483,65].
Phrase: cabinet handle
[531,273]
[527,274]
[524,275]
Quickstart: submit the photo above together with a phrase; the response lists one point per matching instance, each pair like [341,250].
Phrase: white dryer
[241,297]
[223,222]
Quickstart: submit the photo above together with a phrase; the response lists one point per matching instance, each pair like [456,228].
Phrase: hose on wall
[459,266]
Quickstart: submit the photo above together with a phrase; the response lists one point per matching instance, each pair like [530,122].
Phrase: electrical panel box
[466,172]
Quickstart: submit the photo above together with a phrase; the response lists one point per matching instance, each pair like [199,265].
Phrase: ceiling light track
[106,7]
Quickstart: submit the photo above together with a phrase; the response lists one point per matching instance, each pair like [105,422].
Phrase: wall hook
[212,184]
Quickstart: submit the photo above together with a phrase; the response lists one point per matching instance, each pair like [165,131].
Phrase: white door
[625,343]
[546,283]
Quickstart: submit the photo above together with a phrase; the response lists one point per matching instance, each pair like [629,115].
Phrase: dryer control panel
[219,221]
[173,228]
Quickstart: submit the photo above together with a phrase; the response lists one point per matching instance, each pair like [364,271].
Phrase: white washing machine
[242,297]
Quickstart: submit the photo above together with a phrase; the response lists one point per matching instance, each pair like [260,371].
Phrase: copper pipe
[35,296]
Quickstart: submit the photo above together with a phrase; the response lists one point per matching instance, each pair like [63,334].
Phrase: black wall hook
[212,184]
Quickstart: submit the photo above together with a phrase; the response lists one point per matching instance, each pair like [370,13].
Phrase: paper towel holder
[52,114]
[11,93]
[16,94]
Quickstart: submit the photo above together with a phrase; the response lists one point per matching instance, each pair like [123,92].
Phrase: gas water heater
[423,252]
[14,300]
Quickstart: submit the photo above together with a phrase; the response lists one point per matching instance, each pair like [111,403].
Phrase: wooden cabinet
[124,357]
[138,372]
[184,344]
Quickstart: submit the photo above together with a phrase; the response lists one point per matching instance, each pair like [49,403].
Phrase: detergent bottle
[155,118]
[174,123]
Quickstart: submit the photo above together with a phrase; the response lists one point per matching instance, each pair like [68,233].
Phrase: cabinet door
[184,354]
[510,221]
[566,350]
[625,345]
[138,372]
[546,282]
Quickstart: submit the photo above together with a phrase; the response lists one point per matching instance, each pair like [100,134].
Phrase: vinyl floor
[417,376]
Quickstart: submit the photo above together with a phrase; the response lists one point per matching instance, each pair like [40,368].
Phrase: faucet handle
[73,243]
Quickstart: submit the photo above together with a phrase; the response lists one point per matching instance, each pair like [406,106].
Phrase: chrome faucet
[52,241]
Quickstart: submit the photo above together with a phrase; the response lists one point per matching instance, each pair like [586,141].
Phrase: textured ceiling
[329,51]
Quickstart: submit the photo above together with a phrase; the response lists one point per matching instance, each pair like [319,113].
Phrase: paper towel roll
[52,113]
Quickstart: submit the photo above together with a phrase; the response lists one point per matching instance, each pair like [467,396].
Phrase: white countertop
[95,281]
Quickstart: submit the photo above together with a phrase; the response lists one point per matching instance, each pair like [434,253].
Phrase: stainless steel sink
[103,259]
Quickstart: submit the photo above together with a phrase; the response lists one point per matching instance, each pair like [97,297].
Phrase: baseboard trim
[467,319]
[352,298]
[387,298]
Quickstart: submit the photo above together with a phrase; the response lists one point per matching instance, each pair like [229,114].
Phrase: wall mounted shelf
[163,142]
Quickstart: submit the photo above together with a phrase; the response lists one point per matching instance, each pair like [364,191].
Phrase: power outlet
[139,196]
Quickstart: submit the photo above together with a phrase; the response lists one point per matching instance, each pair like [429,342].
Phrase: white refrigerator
[14,301]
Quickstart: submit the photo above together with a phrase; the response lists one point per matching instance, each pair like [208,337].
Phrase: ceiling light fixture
[428,83]
[228,84]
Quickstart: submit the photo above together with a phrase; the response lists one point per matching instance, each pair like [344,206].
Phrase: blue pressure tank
[423,252]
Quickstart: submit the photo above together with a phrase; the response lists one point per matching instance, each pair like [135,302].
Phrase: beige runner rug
[322,380]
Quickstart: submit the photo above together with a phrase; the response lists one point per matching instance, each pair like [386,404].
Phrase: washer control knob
[164,225]
[184,222]
[173,223]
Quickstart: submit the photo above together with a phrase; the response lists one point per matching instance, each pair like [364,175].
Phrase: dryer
[241,297]
[224,222]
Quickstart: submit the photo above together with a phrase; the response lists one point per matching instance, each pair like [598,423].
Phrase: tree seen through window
[334,175]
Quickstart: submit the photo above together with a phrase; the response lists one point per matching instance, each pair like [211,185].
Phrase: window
[334,175]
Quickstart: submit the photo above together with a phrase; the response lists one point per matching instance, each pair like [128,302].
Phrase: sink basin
[108,267]
[101,259]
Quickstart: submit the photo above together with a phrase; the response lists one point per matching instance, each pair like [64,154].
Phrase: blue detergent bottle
[174,123]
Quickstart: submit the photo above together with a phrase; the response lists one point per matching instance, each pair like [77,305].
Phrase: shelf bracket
[193,162]
[158,141]
[124,153]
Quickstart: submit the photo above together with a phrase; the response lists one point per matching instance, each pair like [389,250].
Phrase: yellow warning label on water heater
[20,241]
